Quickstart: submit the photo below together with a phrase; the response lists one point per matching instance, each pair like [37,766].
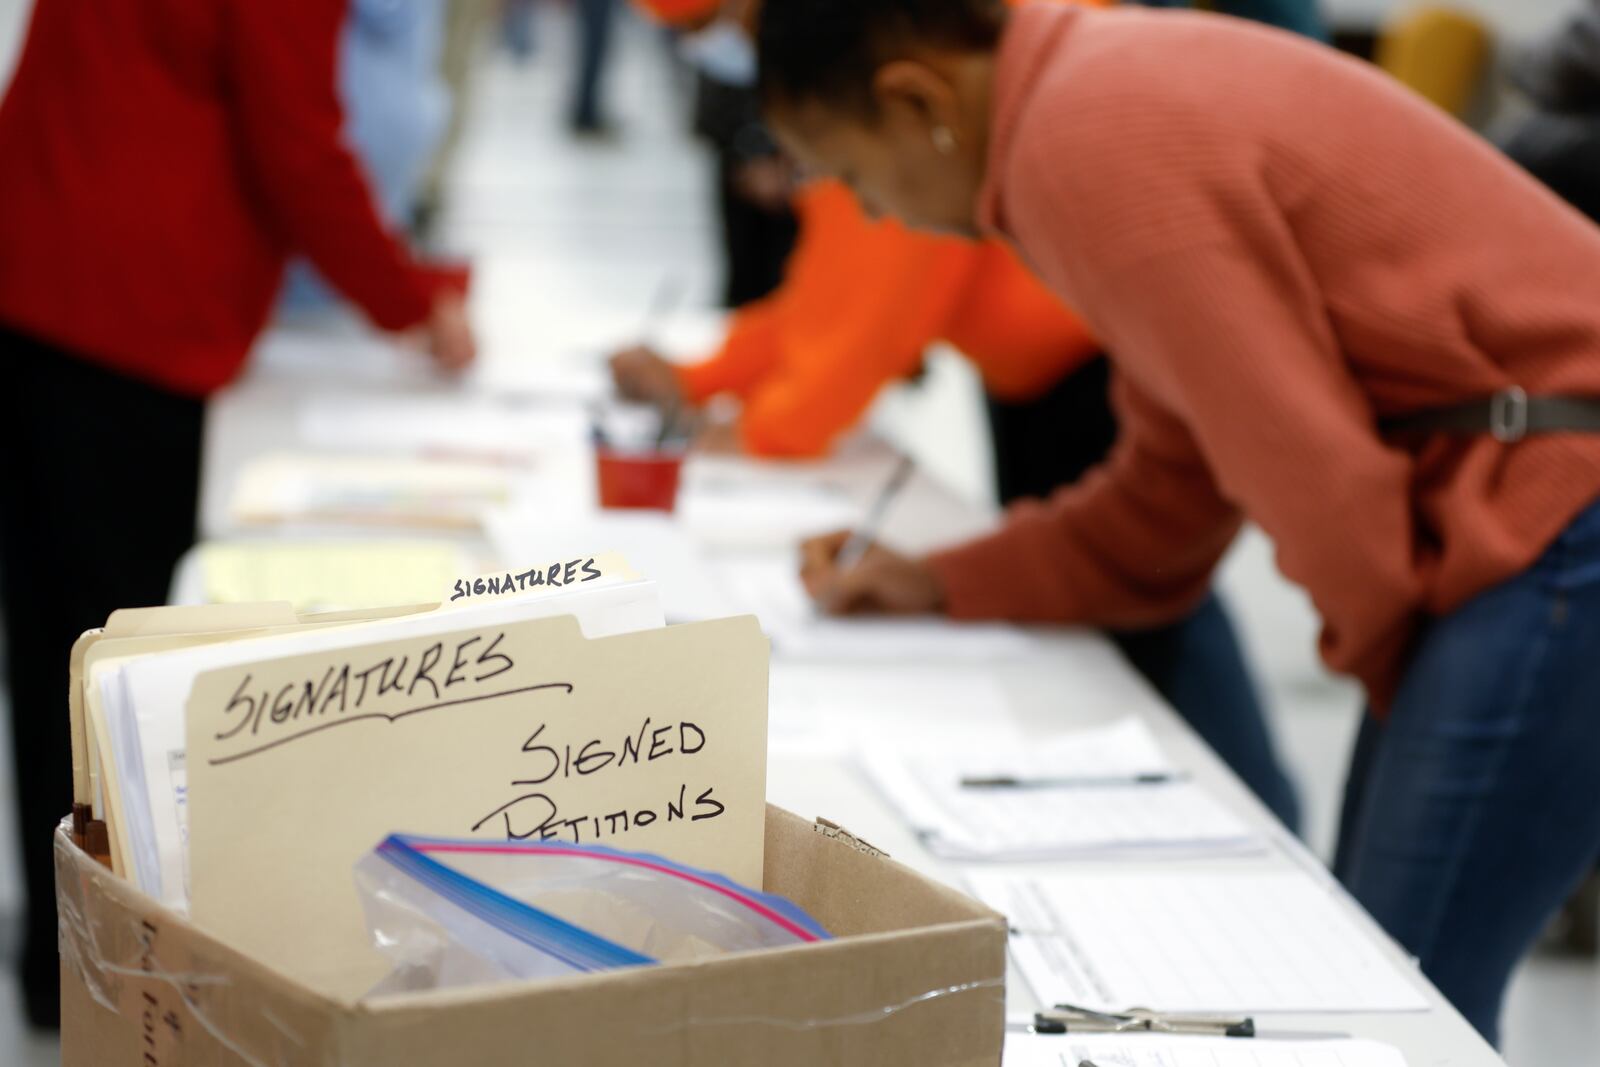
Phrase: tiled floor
[598,227]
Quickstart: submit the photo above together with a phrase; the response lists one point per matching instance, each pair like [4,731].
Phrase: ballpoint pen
[1107,781]
[863,536]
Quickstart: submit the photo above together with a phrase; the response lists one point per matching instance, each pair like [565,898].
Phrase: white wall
[1512,19]
[13,21]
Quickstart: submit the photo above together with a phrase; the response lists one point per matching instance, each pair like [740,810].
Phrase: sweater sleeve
[824,392]
[1132,544]
[1240,335]
[749,353]
[283,61]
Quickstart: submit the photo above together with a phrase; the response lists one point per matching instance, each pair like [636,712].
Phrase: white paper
[445,425]
[1110,1050]
[771,589]
[1276,941]
[838,711]
[757,516]
[145,700]
[1179,818]
[382,490]
[553,381]
[691,591]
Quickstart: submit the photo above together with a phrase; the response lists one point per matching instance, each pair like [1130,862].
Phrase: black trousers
[99,478]
[1196,663]
[755,242]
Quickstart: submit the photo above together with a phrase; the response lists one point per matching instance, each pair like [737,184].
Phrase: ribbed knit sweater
[861,301]
[1279,246]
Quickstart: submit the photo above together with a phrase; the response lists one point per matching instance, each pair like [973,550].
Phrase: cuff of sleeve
[762,435]
[700,381]
[409,305]
[975,580]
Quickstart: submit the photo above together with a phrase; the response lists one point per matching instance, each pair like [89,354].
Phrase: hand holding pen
[848,573]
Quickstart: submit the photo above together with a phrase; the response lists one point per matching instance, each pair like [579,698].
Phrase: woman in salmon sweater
[160,160]
[1334,311]
[860,303]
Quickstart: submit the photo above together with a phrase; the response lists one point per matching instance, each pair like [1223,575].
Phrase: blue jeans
[1474,809]
[596,19]
[1198,666]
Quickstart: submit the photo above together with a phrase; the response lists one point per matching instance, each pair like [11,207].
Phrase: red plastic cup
[638,479]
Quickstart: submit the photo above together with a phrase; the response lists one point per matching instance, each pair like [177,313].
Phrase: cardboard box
[916,975]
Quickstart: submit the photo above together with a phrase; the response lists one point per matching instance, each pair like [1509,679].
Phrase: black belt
[1509,415]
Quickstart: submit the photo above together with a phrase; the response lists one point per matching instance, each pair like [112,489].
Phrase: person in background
[860,304]
[1333,310]
[597,20]
[396,112]
[1560,145]
[594,21]
[160,160]
[755,183]
[1301,16]
[1560,142]
[467,24]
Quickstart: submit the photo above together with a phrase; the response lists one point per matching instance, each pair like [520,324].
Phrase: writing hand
[448,333]
[883,583]
[719,438]
[640,373]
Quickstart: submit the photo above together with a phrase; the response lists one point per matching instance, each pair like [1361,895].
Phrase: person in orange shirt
[859,304]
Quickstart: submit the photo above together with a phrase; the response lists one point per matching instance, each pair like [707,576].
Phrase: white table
[1076,679]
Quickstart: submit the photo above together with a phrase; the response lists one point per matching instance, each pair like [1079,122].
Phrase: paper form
[524,730]
[329,575]
[386,491]
[762,516]
[144,702]
[1110,1050]
[771,589]
[839,711]
[1273,941]
[460,426]
[1076,819]
[652,542]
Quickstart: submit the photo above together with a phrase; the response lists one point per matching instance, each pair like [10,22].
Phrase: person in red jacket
[1332,310]
[160,160]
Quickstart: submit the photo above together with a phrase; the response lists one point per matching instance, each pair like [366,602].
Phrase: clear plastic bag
[453,913]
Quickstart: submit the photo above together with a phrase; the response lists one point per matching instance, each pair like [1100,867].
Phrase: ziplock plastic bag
[453,913]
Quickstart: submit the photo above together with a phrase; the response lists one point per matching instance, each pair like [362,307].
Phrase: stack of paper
[1256,941]
[379,491]
[452,426]
[329,575]
[1103,792]
[243,759]
[1051,1050]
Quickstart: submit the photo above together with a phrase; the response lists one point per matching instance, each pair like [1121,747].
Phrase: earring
[943,140]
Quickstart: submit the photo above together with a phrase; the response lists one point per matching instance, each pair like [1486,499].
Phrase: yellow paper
[654,740]
[328,575]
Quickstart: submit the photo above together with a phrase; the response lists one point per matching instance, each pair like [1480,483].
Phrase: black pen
[1087,782]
